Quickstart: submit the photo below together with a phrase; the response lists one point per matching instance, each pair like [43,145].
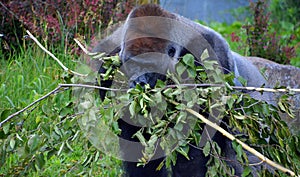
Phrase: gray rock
[282,75]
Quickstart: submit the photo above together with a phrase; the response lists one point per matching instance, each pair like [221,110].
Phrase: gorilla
[150,42]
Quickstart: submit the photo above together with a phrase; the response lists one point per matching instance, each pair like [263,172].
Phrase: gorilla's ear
[202,37]
[111,44]
[221,49]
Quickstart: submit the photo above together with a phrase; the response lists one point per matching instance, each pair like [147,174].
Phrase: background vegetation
[46,140]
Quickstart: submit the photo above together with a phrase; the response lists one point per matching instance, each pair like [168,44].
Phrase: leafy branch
[244,145]
[288,90]
[191,111]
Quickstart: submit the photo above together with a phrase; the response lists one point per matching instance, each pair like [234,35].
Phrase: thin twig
[258,89]
[92,87]
[52,92]
[53,56]
[91,54]
[284,90]
[83,48]
[27,107]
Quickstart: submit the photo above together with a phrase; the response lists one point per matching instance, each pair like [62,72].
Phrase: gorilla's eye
[171,51]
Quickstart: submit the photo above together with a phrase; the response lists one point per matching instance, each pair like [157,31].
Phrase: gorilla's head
[147,49]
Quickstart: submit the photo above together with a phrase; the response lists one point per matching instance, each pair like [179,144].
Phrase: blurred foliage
[58,22]
[270,32]
[47,140]
[286,11]
[285,18]
[264,40]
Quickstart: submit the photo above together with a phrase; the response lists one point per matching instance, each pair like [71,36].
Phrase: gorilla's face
[147,59]
[152,45]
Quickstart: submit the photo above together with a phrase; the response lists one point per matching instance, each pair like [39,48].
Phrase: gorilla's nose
[141,80]
[147,78]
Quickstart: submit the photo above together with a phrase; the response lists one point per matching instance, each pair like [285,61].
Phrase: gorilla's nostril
[134,83]
[141,80]
[142,84]
[147,78]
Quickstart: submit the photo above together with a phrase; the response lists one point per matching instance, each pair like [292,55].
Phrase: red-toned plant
[59,21]
[262,41]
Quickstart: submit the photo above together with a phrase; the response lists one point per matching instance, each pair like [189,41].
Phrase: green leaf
[189,60]
[61,149]
[158,97]
[6,128]
[239,116]
[191,72]
[242,81]
[208,65]
[40,162]
[153,140]
[184,151]
[12,143]
[204,55]
[206,149]
[33,143]
[238,149]
[180,68]
[178,126]
[246,172]
[160,84]
[132,108]
[180,107]
[160,165]
[141,138]
[69,146]
[146,97]
[168,92]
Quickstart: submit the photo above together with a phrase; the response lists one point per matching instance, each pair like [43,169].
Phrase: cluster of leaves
[60,21]
[263,38]
[161,114]
[46,139]
[285,12]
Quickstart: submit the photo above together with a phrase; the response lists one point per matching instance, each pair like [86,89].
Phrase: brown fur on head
[150,10]
[146,45]
[144,28]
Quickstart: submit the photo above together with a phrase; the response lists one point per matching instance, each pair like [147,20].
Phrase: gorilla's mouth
[147,78]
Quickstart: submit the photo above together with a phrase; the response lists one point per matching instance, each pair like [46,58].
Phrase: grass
[45,140]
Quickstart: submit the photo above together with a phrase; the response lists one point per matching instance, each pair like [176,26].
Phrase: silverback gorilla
[149,43]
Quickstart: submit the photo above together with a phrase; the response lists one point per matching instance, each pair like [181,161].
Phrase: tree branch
[245,146]
[30,105]
[257,89]
[53,56]
[52,92]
